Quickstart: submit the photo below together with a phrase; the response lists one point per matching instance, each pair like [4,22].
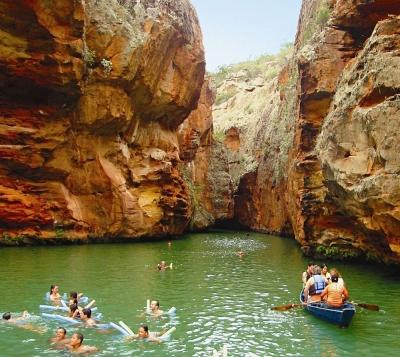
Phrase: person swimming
[75,345]
[163,266]
[21,322]
[155,308]
[7,317]
[60,339]
[74,311]
[54,293]
[145,334]
[74,297]
[86,317]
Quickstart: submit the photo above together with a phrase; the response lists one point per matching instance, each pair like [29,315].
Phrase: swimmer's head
[73,295]
[154,305]
[60,333]
[6,316]
[143,331]
[87,312]
[53,289]
[76,340]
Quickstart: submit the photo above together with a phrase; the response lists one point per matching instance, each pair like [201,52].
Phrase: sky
[239,30]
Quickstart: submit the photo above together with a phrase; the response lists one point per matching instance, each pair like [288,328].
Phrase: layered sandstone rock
[328,173]
[92,94]
[205,166]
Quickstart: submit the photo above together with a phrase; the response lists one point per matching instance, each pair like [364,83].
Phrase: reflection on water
[221,298]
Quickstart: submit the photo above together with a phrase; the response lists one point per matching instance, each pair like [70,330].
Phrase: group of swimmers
[84,314]
[323,286]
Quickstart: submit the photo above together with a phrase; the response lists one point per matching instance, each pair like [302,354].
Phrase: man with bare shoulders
[145,334]
[7,317]
[75,345]
[86,317]
[59,339]
[155,308]
[21,322]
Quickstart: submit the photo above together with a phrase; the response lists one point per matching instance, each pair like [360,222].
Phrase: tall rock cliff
[328,174]
[91,97]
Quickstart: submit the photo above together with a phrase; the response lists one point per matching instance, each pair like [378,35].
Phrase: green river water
[220,298]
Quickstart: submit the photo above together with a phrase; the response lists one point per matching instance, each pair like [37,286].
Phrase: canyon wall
[328,173]
[92,94]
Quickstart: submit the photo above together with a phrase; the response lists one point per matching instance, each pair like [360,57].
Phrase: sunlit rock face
[91,97]
[327,172]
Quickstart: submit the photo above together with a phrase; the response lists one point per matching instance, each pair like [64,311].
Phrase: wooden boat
[340,316]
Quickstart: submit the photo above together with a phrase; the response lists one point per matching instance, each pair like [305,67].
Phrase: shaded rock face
[205,166]
[328,173]
[91,97]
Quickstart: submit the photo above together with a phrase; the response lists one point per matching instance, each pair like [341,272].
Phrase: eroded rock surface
[91,97]
[328,169]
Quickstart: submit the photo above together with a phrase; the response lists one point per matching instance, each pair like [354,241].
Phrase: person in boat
[155,308]
[86,317]
[163,266]
[145,334]
[307,274]
[75,345]
[54,293]
[334,271]
[335,294]
[315,286]
[325,273]
[60,339]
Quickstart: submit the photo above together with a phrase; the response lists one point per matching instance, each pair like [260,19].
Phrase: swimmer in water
[54,293]
[74,297]
[240,253]
[163,266]
[74,311]
[59,339]
[144,334]
[7,317]
[75,345]
[20,322]
[86,317]
[155,308]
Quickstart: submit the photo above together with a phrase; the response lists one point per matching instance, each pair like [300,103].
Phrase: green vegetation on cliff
[266,66]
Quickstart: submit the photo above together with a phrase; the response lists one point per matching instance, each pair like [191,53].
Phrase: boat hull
[339,316]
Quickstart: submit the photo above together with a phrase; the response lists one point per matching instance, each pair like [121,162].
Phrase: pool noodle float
[120,329]
[102,326]
[50,307]
[60,318]
[172,311]
[166,336]
[62,308]
[126,327]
